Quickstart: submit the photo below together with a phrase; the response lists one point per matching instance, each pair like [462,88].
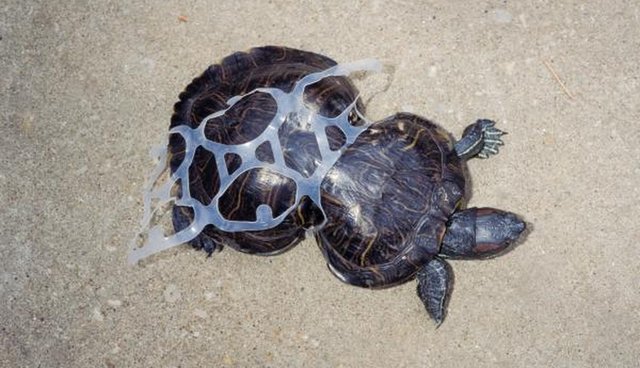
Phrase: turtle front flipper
[480,139]
[434,282]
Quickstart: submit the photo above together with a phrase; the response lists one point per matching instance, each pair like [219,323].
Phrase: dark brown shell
[239,74]
[387,200]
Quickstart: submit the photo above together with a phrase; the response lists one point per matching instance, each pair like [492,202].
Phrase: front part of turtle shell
[387,200]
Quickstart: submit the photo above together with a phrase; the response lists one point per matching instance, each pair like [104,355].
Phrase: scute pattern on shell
[239,74]
[272,144]
[407,183]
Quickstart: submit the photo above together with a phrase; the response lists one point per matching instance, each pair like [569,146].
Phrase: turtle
[394,203]
[240,74]
[391,206]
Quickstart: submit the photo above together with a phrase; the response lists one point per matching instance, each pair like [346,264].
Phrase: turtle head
[480,233]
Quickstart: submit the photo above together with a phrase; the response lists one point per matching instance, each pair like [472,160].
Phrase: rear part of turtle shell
[251,139]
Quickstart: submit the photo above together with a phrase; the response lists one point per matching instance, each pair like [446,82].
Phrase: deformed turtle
[394,207]
[390,206]
[240,74]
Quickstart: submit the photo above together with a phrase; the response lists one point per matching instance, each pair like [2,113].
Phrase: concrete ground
[88,88]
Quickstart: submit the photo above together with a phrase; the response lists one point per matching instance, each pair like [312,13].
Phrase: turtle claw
[491,139]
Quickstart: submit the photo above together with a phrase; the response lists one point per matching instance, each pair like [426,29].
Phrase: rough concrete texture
[88,88]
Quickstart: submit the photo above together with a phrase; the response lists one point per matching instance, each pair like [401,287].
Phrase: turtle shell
[387,200]
[238,75]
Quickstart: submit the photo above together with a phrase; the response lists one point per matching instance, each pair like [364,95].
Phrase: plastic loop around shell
[157,194]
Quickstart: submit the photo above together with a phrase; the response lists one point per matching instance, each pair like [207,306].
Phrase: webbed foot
[434,282]
[480,139]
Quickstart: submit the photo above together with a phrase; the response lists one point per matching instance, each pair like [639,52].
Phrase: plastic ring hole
[264,153]
[336,137]
[244,121]
[233,162]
